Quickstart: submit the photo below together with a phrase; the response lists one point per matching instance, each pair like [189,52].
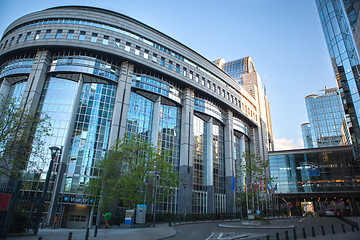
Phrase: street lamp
[54,151]
[154,210]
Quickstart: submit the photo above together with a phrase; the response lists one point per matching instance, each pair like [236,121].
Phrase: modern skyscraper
[339,19]
[327,126]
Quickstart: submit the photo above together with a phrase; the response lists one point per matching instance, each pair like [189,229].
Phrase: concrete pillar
[122,101]
[209,167]
[155,122]
[65,157]
[186,152]
[229,162]
[36,81]
[4,89]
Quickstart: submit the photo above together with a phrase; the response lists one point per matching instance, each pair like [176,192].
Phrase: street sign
[258,211]
[314,172]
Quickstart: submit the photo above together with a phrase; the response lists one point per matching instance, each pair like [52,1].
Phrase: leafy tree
[21,138]
[129,171]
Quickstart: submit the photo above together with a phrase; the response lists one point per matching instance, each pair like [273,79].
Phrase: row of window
[145,53]
[128,34]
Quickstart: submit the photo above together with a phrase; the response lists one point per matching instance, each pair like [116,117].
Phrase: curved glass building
[339,21]
[99,74]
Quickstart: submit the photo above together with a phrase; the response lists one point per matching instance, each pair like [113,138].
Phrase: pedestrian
[107,219]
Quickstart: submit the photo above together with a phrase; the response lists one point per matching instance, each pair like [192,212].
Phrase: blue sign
[91,200]
[141,205]
[314,172]
[257,211]
[66,199]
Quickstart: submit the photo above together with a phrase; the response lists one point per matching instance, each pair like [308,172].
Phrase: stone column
[186,153]
[229,162]
[209,167]
[121,105]
[36,81]
[65,157]
[4,89]
[155,122]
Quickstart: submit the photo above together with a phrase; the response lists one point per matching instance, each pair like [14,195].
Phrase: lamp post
[154,210]
[54,151]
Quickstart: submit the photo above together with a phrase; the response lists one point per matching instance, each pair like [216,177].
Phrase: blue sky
[283,37]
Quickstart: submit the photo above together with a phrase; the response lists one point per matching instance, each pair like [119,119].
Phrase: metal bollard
[322,230]
[267,237]
[357,226]
[70,236]
[352,228]
[295,236]
[332,229]
[277,236]
[343,227]
[95,231]
[87,234]
[286,235]
[40,238]
[313,231]
[304,233]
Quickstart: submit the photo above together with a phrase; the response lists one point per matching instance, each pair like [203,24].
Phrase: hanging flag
[245,185]
[233,183]
[255,186]
[260,186]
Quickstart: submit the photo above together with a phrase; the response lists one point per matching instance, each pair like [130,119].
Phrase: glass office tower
[339,22]
[326,120]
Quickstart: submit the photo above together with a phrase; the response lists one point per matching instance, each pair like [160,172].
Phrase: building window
[137,50]
[117,43]
[196,78]
[162,61]
[37,35]
[146,54]
[213,87]
[127,46]
[154,58]
[11,41]
[27,38]
[47,34]
[70,34]
[94,37]
[223,93]
[5,43]
[82,35]
[191,75]
[19,38]
[170,64]
[203,81]
[208,84]
[177,69]
[218,90]
[184,71]
[106,40]
[58,34]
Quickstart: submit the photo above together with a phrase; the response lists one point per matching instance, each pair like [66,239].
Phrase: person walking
[107,219]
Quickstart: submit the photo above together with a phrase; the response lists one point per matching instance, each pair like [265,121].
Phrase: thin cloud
[286,144]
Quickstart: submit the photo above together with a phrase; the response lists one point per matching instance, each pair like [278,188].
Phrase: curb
[255,227]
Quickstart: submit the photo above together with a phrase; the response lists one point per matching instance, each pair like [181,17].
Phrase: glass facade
[239,67]
[306,133]
[169,132]
[326,118]
[338,30]
[90,135]
[318,170]
[139,116]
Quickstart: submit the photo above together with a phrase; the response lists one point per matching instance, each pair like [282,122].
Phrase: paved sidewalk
[161,231]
